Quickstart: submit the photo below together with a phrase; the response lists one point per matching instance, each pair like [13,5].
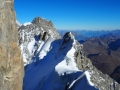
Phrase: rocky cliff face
[11,65]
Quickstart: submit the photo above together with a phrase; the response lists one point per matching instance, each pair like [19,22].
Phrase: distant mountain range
[104,52]
[84,34]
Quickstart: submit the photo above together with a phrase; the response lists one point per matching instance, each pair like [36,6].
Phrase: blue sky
[72,14]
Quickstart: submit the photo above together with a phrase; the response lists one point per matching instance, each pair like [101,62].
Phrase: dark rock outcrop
[40,30]
[47,25]
[38,26]
[11,64]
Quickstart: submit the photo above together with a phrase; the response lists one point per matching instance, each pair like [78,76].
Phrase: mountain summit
[52,63]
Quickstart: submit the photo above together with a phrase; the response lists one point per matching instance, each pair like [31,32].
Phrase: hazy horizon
[84,30]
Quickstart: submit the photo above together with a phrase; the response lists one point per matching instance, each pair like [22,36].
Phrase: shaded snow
[54,69]
[81,76]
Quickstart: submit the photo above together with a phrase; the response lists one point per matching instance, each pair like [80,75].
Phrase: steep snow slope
[52,63]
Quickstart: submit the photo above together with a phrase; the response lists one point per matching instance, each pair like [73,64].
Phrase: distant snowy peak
[41,21]
[27,23]
[47,26]
[40,25]
[32,37]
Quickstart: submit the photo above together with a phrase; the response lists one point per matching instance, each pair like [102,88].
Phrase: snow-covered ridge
[56,58]
[52,63]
